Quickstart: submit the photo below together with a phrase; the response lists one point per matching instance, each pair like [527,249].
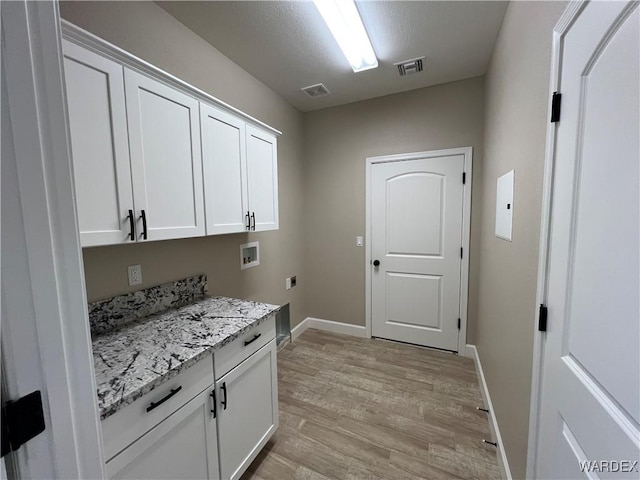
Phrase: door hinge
[461,252]
[555,107]
[542,318]
[459,323]
[22,420]
[464,177]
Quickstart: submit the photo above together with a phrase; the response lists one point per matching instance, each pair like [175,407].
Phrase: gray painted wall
[322,181]
[515,125]
[337,141]
[150,33]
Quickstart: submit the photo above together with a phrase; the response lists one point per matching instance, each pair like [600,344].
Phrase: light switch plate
[135,274]
[504,206]
[359,241]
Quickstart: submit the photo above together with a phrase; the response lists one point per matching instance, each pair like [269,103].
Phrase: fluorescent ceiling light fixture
[343,19]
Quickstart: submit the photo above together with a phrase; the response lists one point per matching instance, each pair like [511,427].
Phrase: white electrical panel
[504,206]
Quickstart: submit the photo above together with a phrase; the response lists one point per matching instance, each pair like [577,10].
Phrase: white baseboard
[472,352]
[299,329]
[328,326]
[469,352]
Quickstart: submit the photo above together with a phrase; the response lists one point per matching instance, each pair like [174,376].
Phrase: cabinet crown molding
[79,36]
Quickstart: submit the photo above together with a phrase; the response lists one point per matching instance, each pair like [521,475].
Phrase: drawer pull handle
[224,390]
[248,342]
[167,397]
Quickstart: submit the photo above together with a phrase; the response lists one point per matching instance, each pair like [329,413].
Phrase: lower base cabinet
[247,410]
[216,434]
[183,446]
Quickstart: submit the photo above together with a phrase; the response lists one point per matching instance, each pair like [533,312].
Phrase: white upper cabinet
[100,147]
[225,171]
[166,165]
[153,162]
[262,179]
[241,174]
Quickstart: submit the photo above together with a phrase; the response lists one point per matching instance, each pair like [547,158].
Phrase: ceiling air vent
[407,67]
[318,90]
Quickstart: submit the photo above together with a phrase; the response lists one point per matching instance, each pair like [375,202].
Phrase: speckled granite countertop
[136,357]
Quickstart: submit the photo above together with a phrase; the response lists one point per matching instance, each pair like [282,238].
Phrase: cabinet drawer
[183,446]
[132,421]
[244,346]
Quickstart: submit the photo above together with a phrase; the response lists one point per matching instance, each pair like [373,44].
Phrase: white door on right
[416,239]
[590,399]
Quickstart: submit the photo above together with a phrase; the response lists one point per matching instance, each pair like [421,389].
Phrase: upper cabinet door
[166,166]
[262,173]
[225,171]
[99,144]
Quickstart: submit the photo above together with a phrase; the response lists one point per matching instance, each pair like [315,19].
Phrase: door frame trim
[466,229]
[45,339]
[559,31]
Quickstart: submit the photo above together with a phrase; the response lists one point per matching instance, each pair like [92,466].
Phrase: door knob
[376,263]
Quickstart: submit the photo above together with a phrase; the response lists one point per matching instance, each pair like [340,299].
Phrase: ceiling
[287,46]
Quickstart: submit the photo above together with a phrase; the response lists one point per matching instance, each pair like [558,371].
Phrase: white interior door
[590,398]
[262,171]
[45,340]
[224,162]
[166,160]
[100,146]
[416,236]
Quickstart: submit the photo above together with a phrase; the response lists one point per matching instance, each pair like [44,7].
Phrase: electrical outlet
[293,281]
[135,274]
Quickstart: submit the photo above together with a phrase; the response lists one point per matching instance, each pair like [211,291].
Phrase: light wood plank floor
[353,408]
